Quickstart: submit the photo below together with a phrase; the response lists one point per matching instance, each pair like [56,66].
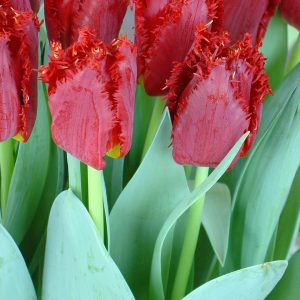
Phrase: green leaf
[139,213]
[29,175]
[15,281]
[288,287]
[266,180]
[77,265]
[216,219]
[288,227]
[156,287]
[246,284]
[275,48]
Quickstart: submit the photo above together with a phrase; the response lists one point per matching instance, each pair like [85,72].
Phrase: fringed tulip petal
[91,97]
[19,29]
[215,96]
[164,35]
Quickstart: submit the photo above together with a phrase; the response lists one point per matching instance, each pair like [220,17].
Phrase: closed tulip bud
[215,96]
[91,88]
[165,32]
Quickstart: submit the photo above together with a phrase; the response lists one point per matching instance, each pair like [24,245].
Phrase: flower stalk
[95,193]
[295,57]
[190,240]
[6,169]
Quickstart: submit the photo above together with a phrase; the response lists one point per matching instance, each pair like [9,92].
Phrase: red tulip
[165,33]
[91,97]
[18,81]
[248,16]
[290,10]
[103,17]
[216,96]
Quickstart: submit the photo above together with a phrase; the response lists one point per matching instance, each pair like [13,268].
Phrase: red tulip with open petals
[290,11]
[18,81]
[103,17]
[216,96]
[165,32]
[248,16]
[91,97]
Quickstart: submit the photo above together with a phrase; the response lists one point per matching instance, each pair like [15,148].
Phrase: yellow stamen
[114,152]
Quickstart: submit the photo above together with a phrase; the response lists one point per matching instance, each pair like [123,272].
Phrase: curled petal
[290,10]
[248,16]
[91,97]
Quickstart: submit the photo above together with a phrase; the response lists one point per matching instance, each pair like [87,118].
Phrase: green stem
[295,57]
[95,192]
[74,170]
[154,123]
[190,241]
[7,163]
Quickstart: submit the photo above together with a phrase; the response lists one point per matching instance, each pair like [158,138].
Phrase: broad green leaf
[77,265]
[54,186]
[275,46]
[253,283]
[288,227]
[15,281]
[29,175]
[265,182]
[156,287]
[216,219]
[139,213]
[288,287]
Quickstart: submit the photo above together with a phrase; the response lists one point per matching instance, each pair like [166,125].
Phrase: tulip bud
[215,96]
[91,88]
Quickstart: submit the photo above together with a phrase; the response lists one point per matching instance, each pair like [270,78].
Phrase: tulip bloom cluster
[202,56]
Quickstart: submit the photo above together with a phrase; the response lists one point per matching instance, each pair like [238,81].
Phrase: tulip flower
[215,96]
[64,19]
[18,81]
[91,97]
[165,33]
[290,11]
[248,16]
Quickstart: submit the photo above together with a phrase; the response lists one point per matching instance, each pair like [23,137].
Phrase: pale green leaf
[139,213]
[77,265]
[253,283]
[216,219]
[15,281]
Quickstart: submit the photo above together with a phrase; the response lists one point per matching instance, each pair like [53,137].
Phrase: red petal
[21,30]
[64,20]
[166,37]
[82,117]
[211,121]
[290,10]
[91,92]
[215,96]
[9,95]
[248,16]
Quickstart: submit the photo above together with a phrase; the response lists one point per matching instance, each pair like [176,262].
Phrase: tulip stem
[190,241]
[74,171]
[154,123]
[7,163]
[95,192]
[295,57]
